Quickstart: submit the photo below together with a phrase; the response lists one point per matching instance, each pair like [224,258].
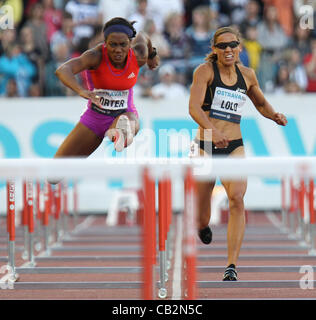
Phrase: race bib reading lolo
[227,105]
[112,100]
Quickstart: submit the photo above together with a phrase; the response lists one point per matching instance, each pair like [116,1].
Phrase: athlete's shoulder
[246,71]
[93,55]
[204,69]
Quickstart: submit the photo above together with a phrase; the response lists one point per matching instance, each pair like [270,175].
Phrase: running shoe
[124,135]
[206,235]
[230,274]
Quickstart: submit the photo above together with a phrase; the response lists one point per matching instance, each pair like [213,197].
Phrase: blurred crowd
[278,41]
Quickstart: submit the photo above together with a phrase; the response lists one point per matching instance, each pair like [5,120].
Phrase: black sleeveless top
[239,86]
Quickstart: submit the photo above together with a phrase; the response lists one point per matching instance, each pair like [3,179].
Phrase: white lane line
[274,220]
[84,224]
[177,268]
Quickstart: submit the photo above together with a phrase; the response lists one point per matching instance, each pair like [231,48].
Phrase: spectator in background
[15,65]
[190,5]
[143,87]
[252,17]
[157,39]
[7,38]
[35,90]
[140,15]
[53,87]
[85,16]
[285,14]
[168,88]
[301,40]
[12,89]
[282,79]
[37,24]
[253,47]
[33,53]
[273,40]
[65,34]
[310,67]
[116,8]
[199,35]
[297,72]
[237,10]
[97,38]
[52,17]
[179,45]
[162,9]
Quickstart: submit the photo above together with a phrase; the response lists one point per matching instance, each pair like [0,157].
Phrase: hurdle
[146,172]
[298,218]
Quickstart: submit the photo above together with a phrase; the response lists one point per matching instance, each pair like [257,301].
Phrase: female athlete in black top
[218,94]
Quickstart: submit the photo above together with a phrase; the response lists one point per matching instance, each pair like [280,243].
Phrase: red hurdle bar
[189,249]
[149,235]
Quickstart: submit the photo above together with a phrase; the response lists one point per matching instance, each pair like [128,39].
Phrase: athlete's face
[227,49]
[117,44]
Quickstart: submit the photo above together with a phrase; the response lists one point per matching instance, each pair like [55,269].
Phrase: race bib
[227,105]
[111,100]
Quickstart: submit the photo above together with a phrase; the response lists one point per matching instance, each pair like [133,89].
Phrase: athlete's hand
[153,63]
[90,95]
[219,139]
[280,119]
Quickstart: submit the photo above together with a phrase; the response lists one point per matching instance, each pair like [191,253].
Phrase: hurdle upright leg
[312,217]
[30,212]
[38,214]
[190,235]
[65,210]
[162,215]
[57,201]
[149,235]
[25,254]
[45,219]
[11,228]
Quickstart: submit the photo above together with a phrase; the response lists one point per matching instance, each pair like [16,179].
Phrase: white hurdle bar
[203,168]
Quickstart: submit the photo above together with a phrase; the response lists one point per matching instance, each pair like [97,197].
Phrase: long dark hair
[212,57]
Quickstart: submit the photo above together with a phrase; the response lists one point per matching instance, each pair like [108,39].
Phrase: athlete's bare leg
[203,194]
[236,223]
[80,142]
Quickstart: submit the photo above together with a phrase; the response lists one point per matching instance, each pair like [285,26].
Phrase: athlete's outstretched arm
[67,71]
[260,102]
[143,48]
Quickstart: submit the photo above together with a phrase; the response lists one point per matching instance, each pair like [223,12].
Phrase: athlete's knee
[236,200]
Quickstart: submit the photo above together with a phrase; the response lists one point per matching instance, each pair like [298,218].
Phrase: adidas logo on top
[132,75]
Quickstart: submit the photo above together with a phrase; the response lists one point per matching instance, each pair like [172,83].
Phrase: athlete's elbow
[58,71]
[192,110]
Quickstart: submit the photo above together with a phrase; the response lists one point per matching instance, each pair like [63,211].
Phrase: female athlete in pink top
[111,71]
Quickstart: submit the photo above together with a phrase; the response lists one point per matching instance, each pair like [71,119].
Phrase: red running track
[264,245]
